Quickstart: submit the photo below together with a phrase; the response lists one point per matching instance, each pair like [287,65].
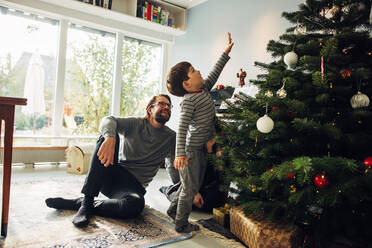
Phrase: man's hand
[198,200]
[106,151]
[179,161]
[229,45]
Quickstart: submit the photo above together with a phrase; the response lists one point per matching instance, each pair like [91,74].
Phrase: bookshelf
[129,7]
[121,16]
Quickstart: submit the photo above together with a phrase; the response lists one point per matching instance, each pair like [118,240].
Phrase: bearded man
[122,172]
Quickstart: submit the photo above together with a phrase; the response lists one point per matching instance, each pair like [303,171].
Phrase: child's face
[195,81]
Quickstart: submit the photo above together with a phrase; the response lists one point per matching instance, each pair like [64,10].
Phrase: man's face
[161,110]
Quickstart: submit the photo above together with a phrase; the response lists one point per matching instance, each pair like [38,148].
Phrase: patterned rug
[33,224]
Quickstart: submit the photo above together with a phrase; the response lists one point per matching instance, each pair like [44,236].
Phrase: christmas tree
[301,150]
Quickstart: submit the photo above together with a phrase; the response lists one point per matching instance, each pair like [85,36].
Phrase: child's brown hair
[175,78]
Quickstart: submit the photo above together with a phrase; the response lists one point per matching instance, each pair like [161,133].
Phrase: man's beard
[160,118]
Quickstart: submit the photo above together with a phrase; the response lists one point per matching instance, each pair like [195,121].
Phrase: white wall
[252,24]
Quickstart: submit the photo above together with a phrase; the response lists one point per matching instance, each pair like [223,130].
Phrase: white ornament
[281,93]
[331,12]
[265,124]
[269,93]
[290,59]
[359,100]
[300,29]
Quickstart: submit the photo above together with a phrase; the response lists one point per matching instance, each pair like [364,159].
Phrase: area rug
[32,224]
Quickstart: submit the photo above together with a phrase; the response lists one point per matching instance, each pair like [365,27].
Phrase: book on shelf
[151,12]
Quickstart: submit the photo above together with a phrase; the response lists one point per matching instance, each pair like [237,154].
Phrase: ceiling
[185,3]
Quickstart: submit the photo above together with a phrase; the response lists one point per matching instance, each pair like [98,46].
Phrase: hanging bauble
[274,109]
[220,86]
[269,93]
[347,50]
[292,114]
[346,73]
[331,12]
[321,180]
[265,124]
[315,210]
[281,93]
[290,176]
[368,161]
[290,59]
[300,29]
[359,100]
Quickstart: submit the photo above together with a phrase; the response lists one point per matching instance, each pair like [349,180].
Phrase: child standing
[195,129]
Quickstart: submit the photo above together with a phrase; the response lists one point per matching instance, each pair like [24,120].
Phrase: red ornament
[275,109]
[368,161]
[220,87]
[346,73]
[321,180]
[290,176]
[291,114]
[241,75]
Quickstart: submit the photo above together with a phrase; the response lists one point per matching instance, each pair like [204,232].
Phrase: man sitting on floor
[148,144]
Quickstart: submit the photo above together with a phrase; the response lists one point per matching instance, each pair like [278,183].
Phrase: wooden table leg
[8,147]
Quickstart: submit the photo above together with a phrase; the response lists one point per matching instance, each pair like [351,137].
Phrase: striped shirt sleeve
[187,111]
[215,73]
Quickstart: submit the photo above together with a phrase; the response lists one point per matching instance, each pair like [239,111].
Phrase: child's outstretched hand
[229,45]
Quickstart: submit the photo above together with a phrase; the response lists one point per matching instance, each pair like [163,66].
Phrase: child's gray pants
[191,180]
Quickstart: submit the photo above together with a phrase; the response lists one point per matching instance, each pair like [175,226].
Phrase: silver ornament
[265,124]
[359,100]
[290,59]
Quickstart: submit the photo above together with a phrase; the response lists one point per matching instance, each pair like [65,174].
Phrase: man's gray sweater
[144,148]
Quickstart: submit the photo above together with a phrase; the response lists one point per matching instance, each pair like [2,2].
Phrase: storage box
[222,216]
[78,159]
[259,233]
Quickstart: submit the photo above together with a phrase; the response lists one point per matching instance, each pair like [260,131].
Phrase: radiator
[31,155]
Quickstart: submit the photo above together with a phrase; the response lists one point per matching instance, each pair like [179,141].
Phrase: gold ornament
[281,93]
[269,93]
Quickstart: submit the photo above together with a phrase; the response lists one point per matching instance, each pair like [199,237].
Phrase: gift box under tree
[257,232]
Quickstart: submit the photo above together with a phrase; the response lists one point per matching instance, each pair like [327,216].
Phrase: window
[28,66]
[142,64]
[88,80]
[28,48]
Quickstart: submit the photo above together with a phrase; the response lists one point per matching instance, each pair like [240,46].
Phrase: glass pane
[142,63]
[28,47]
[88,81]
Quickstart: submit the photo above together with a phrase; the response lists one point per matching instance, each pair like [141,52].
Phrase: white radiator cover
[36,155]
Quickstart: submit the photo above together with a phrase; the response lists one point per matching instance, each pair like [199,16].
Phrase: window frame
[64,16]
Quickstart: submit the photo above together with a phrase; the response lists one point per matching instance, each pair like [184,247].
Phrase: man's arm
[109,126]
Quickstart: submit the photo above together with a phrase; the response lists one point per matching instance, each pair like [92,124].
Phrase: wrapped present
[222,215]
[259,233]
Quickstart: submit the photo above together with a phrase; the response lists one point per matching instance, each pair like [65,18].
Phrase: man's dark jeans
[125,193]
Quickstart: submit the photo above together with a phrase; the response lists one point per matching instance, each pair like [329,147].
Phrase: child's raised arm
[229,45]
